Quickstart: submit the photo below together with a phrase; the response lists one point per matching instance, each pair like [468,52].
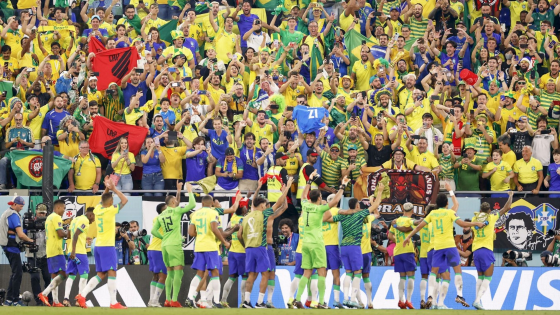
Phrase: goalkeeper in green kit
[172,242]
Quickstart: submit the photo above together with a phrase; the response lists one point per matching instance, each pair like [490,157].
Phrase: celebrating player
[157,265]
[405,263]
[330,237]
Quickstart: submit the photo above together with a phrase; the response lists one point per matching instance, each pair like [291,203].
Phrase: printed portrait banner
[418,188]
[526,225]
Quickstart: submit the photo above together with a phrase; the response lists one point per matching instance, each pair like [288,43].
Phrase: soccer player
[56,261]
[252,235]
[445,253]
[405,263]
[298,272]
[365,245]
[205,229]
[483,247]
[157,265]
[104,253]
[330,237]
[314,254]
[78,264]
[172,242]
[352,222]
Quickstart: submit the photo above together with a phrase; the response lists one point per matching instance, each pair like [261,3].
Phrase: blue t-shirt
[153,165]
[122,44]
[554,177]
[418,61]
[363,14]
[331,138]
[339,65]
[196,166]
[245,23]
[51,122]
[226,182]
[248,157]
[170,116]
[131,90]
[288,250]
[157,46]
[309,118]
[14,221]
[219,143]
[192,45]
[102,31]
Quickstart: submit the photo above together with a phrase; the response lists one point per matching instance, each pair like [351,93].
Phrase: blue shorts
[155,259]
[333,257]
[236,263]
[271,258]
[256,259]
[366,264]
[206,261]
[352,257]
[105,258]
[405,262]
[483,258]
[430,263]
[82,268]
[297,269]
[56,264]
[424,267]
[445,258]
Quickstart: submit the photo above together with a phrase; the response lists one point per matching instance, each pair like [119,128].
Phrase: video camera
[32,224]
[416,241]
[125,226]
[515,255]
[379,234]
[550,259]
[139,233]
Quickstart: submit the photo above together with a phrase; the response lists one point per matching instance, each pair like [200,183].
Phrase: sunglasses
[335,150]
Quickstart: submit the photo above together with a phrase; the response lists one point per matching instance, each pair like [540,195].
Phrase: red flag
[106,135]
[95,46]
[113,65]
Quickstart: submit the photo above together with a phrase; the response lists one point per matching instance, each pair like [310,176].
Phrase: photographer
[138,254]
[549,259]
[515,259]
[288,242]
[11,233]
[123,244]
[37,262]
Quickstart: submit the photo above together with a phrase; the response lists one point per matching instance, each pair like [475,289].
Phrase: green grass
[233,311]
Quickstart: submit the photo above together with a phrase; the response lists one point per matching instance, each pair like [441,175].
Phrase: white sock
[483,287]
[270,293]
[82,283]
[203,296]
[337,295]
[402,282]
[459,284]
[54,283]
[243,284]
[54,293]
[192,288]
[423,285]
[68,286]
[152,290]
[215,285]
[209,293]
[440,287]
[158,292]
[443,293]
[261,298]
[247,296]
[314,290]
[409,288]
[368,288]
[478,283]
[92,283]
[294,286]
[358,297]
[432,285]
[112,284]
[227,288]
[355,286]
[346,286]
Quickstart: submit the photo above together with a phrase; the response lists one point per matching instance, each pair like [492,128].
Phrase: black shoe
[190,303]
[260,305]
[246,305]
[216,305]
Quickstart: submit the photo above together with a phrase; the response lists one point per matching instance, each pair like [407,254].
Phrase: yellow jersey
[442,222]
[205,238]
[401,236]
[54,242]
[122,167]
[366,235]
[315,101]
[363,74]
[80,223]
[291,94]
[301,227]
[225,43]
[330,230]
[35,123]
[432,237]
[484,237]
[497,179]
[426,159]
[236,246]
[172,168]
[155,243]
[262,132]
[425,239]
[105,222]
[527,171]
[85,169]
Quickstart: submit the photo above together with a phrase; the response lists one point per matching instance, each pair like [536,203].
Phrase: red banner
[113,65]
[106,135]
[95,46]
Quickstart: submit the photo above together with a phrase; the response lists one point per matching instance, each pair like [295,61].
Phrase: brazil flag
[28,167]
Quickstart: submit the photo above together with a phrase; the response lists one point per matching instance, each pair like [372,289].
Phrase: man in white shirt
[544,138]
[255,36]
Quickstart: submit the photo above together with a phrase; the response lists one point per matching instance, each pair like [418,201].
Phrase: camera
[511,254]
[31,224]
[378,235]
[280,240]
[416,241]
[125,226]
[553,232]
[140,233]
[550,260]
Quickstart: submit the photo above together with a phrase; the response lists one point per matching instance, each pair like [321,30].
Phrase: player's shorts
[352,257]
[405,262]
[333,257]
[297,268]
[105,258]
[256,259]
[444,258]
[430,263]
[82,268]
[236,263]
[57,263]
[483,258]
[155,258]
[424,267]
[271,258]
[313,256]
[366,264]
[173,255]
[206,261]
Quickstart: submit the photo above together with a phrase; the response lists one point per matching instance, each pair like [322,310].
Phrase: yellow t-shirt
[409,165]
[346,21]
[225,43]
[157,23]
[442,221]
[236,246]
[155,243]
[105,222]
[366,235]
[484,237]
[97,96]
[80,223]
[177,51]
[86,168]
[414,119]
[262,132]
[426,159]
[70,145]
[330,230]
[122,167]
[363,74]
[527,171]
[401,236]
[315,101]
[497,179]
[54,242]
[35,123]
[205,238]
[13,39]
[515,8]
[172,169]
[291,94]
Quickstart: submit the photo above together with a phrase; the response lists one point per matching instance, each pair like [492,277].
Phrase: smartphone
[5,65]
[376,13]
[419,98]
[363,42]
[266,116]
[353,115]
[452,112]
[545,132]
[465,156]
[172,136]
[54,57]
[30,69]
[139,71]
[95,74]
[201,92]
[170,69]
[502,97]
[556,103]
[175,84]
[415,137]
[436,138]
[434,97]
[523,46]
[3,93]
[533,74]
[290,108]
[258,79]
[471,111]
[518,22]
[396,36]
[552,44]
[257,22]
[266,72]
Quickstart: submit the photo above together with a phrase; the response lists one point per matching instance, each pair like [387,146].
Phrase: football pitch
[235,311]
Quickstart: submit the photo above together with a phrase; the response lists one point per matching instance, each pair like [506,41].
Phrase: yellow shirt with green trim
[86,167]
[54,242]
[80,223]
[426,159]
[105,222]
[330,230]
[366,235]
[442,222]
[205,238]
[527,171]
[401,236]
[484,237]
[497,179]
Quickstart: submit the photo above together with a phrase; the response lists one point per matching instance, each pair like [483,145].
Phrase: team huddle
[250,252]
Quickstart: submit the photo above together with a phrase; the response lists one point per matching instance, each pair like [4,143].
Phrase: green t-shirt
[351,227]
[170,220]
[468,177]
[313,222]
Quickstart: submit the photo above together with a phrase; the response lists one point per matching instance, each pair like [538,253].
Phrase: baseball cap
[229,151]
[352,147]
[96,17]
[92,78]
[522,118]
[399,149]
[280,155]
[312,152]
[17,201]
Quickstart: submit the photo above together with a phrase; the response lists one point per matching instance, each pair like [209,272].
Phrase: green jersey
[351,227]
[313,221]
[170,220]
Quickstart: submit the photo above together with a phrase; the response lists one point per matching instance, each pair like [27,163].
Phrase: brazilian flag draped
[28,167]
[165,31]
[353,41]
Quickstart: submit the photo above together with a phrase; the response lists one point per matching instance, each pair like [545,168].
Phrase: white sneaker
[156,304]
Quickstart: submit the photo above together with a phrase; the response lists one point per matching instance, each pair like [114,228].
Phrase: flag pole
[48,166]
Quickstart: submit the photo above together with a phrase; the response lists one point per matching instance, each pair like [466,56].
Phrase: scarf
[264,168]
[135,22]
[233,166]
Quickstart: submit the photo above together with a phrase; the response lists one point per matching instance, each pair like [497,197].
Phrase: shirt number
[167,224]
[480,233]
[313,114]
[100,225]
[439,225]
[201,226]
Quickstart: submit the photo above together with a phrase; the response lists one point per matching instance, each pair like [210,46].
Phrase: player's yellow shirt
[301,226]
[432,237]
[80,223]
[366,235]
[236,246]
[497,179]
[155,243]
[105,222]
[205,238]
[426,159]
[54,242]
[425,239]
[330,230]
[401,236]
[442,223]
[484,237]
